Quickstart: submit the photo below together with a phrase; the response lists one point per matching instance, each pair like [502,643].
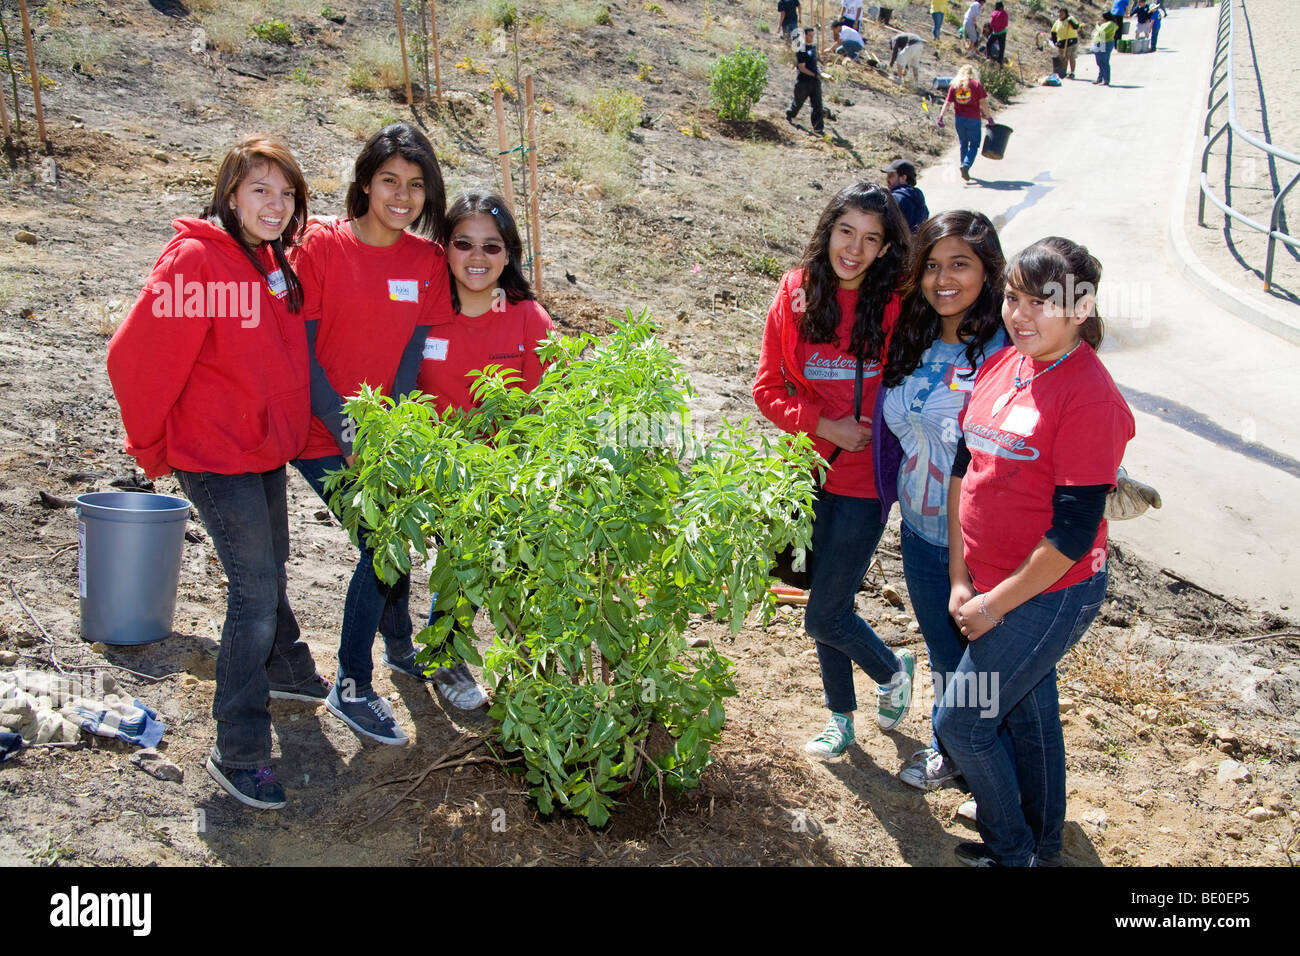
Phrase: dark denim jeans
[248,521]
[1103,63]
[925,568]
[938,23]
[845,534]
[1022,801]
[969,134]
[371,604]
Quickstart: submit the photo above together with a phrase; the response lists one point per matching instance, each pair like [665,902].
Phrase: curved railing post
[1223,58]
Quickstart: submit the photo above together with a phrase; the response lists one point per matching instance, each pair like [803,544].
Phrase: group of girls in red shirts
[974,397]
[999,440]
[402,294]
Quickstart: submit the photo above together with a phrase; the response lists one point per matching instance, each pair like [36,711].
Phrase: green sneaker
[895,698]
[835,739]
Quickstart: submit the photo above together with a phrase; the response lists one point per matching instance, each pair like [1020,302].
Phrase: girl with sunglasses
[496,321]
[374,283]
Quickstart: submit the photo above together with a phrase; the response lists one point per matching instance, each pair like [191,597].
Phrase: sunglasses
[490,248]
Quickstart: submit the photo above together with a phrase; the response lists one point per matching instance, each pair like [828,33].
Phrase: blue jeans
[845,534]
[248,520]
[938,23]
[850,48]
[925,568]
[969,135]
[1022,801]
[371,605]
[1103,63]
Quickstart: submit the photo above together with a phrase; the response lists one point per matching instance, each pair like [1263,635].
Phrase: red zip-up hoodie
[210,366]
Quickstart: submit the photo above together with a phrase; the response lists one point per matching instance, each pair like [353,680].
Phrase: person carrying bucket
[214,388]
[970,103]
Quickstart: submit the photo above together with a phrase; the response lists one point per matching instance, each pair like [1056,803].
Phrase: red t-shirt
[827,370]
[966,99]
[460,344]
[1068,427]
[367,301]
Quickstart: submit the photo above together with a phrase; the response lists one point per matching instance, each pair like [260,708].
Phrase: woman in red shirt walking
[210,372]
[970,103]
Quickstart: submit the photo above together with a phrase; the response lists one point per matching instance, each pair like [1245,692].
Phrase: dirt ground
[1172,681]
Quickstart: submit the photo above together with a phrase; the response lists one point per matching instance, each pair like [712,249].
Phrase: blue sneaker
[365,712]
[253,788]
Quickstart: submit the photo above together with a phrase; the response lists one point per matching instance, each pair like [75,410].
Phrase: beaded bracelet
[983,610]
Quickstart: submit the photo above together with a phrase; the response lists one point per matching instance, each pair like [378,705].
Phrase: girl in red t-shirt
[210,371]
[374,283]
[1043,436]
[496,321]
[832,315]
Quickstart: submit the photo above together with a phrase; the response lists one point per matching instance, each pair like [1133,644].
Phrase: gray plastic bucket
[129,564]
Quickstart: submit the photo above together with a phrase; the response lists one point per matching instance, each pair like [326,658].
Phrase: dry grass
[377,65]
[84,49]
[590,157]
[1138,682]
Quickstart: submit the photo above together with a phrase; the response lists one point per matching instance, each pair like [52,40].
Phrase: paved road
[1217,400]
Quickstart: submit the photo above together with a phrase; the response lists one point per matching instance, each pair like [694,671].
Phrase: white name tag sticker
[436,349]
[403,290]
[275,282]
[1021,420]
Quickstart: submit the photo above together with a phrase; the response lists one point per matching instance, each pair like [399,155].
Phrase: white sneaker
[967,811]
[459,687]
[928,771]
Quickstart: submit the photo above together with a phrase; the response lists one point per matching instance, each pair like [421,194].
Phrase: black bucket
[1058,66]
[995,141]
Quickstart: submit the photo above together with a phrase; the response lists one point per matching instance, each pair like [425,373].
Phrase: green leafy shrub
[504,14]
[999,81]
[766,265]
[736,82]
[603,17]
[615,111]
[273,31]
[590,524]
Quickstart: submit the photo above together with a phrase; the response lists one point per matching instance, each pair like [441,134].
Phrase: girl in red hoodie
[823,348]
[210,372]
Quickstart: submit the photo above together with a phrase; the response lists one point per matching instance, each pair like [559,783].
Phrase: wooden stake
[31,64]
[401,38]
[507,187]
[4,117]
[424,25]
[433,25]
[533,213]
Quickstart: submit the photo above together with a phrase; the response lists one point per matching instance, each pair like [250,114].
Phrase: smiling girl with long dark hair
[823,350]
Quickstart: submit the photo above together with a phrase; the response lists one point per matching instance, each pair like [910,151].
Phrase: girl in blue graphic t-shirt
[950,323]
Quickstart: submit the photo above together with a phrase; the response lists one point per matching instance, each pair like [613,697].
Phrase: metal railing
[1230,127]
